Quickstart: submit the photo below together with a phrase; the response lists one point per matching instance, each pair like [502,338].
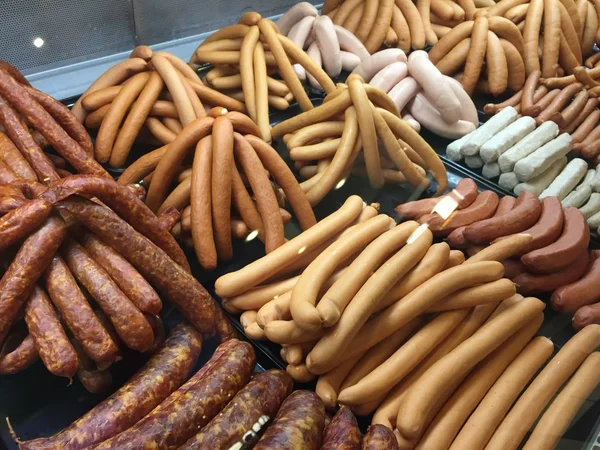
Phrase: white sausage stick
[524,413]
[529,144]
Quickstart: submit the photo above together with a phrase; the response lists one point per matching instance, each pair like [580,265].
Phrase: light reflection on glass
[252,235]
[38,42]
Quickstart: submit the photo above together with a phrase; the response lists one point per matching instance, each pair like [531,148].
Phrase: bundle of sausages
[118,256]
[245,53]
[228,155]
[335,144]
[32,120]
[402,24]
[147,98]
[573,107]
[494,40]
[329,45]
[557,34]
[421,92]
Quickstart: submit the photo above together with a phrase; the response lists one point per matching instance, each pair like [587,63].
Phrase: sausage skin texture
[161,375]
[585,291]
[574,239]
[299,424]
[342,432]
[522,216]
[192,406]
[169,278]
[548,227]
[379,437]
[262,396]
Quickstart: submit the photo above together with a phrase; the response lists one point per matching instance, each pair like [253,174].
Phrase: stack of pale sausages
[389,322]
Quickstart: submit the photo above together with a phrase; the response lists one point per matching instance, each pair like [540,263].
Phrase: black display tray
[40,404]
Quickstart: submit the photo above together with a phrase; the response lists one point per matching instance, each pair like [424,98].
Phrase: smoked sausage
[342,433]
[379,437]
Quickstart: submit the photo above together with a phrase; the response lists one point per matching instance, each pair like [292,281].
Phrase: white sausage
[592,206]
[474,162]
[485,132]
[577,197]
[430,118]
[491,170]
[588,179]
[390,76]
[412,122]
[453,149]
[596,180]
[543,157]
[294,15]
[529,144]
[329,45]
[350,61]
[538,184]
[351,43]
[315,54]
[436,88]
[508,181]
[506,138]
[300,32]
[377,61]
[566,181]
[404,92]
[467,107]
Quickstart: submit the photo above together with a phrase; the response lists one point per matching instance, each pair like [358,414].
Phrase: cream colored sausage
[529,406]
[423,395]
[236,283]
[306,290]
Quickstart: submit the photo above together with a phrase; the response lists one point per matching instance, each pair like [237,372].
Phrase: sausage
[483,207]
[527,103]
[379,437]
[573,241]
[194,404]
[456,365]
[532,402]
[524,215]
[548,228]
[566,181]
[130,324]
[337,338]
[571,297]
[507,138]
[14,159]
[531,283]
[55,350]
[539,183]
[451,417]
[34,255]
[158,378]
[127,278]
[260,397]
[169,278]
[493,407]
[493,292]
[586,315]
[542,158]
[529,144]
[299,424]
[342,433]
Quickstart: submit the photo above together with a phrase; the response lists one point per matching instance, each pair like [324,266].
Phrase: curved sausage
[573,241]
[342,433]
[571,297]
[379,437]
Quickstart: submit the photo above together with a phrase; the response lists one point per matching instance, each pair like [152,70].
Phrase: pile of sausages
[390,322]
[333,144]
[30,121]
[421,92]
[244,54]
[119,251]
[555,258]
[147,98]
[228,157]
[573,107]
[329,45]
[401,24]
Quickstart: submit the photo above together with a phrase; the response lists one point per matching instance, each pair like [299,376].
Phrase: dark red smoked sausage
[161,375]
[23,355]
[299,424]
[342,433]
[585,291]
[261,397]
[192,406]
[379,437]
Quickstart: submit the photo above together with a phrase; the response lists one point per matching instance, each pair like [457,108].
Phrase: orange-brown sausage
[586,291]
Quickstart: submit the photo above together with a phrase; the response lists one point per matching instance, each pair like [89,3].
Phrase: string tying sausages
[329,45]
[147,98]
[336,144]
[231,165]
[244,55]
[105,255]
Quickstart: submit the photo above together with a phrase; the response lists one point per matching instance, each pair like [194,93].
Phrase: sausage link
[163,374]
[14,159]
[24,355]
[130,324]
[56,352]
[342,432]
[262,396]
[34,255]
[379,437]
[20,222]
[193,405]
[181,288]
[299,424]
[127,278]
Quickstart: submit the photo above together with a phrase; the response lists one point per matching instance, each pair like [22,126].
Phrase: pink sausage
[351,43]
[377,61]
[430,118]
[390,76]
[468,110]
[404,92]
[350,61]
